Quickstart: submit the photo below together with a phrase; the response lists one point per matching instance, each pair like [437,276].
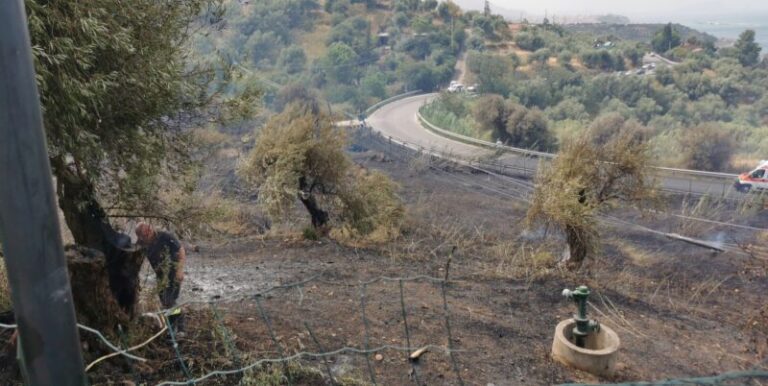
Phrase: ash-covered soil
[680,311]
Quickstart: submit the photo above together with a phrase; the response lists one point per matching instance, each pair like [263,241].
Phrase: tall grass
[440,115]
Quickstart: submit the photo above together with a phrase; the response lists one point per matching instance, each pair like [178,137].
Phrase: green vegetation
[638,33]
[747,51]
[575,80]
[351,53]
[450,111]
[666,39]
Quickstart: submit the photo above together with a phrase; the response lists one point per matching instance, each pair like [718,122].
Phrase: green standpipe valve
[584,326]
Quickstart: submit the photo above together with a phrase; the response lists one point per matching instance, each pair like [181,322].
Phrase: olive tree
[584,179]
[113,80]
[299,155]
[513,123]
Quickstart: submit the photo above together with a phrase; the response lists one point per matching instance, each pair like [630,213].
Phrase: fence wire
[283,358]
[365,351]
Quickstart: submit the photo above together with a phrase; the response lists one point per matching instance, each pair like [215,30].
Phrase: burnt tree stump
[105,290]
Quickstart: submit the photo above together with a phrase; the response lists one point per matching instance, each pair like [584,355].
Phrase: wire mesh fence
[294,316]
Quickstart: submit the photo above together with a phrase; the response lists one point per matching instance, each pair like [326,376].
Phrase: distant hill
[635,32]
[507,13]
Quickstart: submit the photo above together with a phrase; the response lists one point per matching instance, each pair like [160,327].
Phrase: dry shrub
[5,289]
[199,214]
[209,137]
[607,126]
[371,210]
[586,178]
[522,261]
[703,207]
[419,164]
[638,256]
[232,218]
[707,147]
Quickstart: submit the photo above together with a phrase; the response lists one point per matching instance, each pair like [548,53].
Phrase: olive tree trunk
[103,267]
[319,217]
[578,246]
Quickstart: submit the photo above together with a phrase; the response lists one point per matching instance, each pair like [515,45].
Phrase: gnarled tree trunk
[578,246]
[319,216]
[104,255]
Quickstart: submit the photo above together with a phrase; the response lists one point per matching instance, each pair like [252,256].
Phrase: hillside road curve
[399,121]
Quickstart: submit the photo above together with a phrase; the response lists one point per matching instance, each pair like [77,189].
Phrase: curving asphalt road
[399,121]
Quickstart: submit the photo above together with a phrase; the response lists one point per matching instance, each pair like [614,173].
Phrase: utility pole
[34,257]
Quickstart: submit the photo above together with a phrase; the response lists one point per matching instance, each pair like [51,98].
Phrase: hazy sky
[638,9]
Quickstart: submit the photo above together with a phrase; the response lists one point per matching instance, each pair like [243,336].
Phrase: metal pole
[29,224]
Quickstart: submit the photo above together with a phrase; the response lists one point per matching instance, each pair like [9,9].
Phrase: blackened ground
[680,311]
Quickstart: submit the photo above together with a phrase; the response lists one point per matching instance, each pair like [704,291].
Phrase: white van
[757,179]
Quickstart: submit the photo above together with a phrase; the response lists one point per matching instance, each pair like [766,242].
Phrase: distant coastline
[730,29]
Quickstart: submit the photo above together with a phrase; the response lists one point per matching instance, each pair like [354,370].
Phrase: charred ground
[680,311]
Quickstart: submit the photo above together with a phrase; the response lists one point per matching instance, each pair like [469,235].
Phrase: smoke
[718,240]
[537,234]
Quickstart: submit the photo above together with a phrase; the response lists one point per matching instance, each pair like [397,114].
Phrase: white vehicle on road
[755,180]
[455,87]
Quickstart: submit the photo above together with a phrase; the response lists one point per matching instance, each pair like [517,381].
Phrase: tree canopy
[299,155]
[585,178]
[747,50]
[666,39]
[114,80]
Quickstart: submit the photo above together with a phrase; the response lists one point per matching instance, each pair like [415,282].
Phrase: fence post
[29,223]
[525,164]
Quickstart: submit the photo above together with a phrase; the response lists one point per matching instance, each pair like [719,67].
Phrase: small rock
[379,357]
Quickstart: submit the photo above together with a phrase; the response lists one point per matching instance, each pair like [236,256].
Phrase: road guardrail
[539,154]
[376,106]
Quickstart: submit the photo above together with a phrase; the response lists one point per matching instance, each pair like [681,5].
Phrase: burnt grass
[680,311]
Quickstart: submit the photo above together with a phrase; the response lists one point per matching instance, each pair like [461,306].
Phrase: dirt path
[460,73]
